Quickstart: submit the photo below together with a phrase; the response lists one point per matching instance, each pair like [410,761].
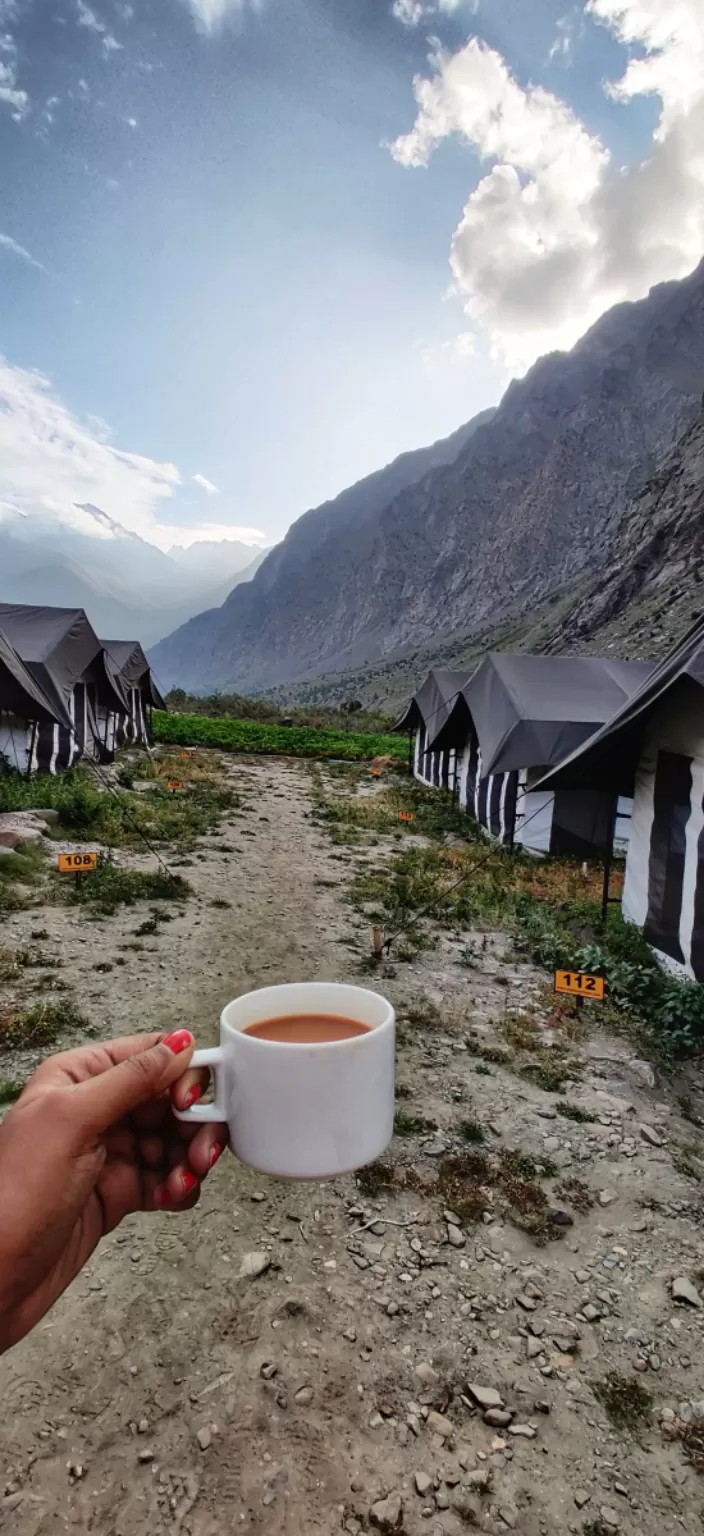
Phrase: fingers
[190,1088]
[179,1188]
[205,1148]
[178,1191]
[140,1075]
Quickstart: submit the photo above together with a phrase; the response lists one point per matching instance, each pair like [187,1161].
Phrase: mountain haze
[517,505]
[129,588]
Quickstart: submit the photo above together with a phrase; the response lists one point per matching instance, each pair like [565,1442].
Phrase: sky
[251,250]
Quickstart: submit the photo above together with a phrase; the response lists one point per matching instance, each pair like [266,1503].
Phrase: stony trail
[376,1365]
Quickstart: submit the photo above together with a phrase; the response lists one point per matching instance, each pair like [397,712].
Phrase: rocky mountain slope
[528,503]
[653,586]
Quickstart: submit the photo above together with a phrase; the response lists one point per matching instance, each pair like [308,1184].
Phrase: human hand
[91,1139]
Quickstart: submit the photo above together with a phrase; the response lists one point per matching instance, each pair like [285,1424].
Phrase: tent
[653,749]
[131,671]
[24,707]
[519,714]
[426,713]
[65,659]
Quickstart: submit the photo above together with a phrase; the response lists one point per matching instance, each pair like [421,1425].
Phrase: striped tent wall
[491,800]
[436,769]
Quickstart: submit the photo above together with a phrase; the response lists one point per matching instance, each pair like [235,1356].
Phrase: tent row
[490,736]
[64,693]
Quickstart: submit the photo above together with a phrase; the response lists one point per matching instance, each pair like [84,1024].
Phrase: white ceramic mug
[303,1111]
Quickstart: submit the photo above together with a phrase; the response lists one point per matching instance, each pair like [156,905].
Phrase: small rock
[582,1277]
[534,1347]
[591,1313]
[426,1374]
[304,1396]
[605,1197]
[257,1197]
[581,1498]
[525,1431]
[650,1135]
[498,1418]
[387,1514]
[439,1425]
[253,1264]
[392,1309]
[560,1219]
[268,1370]
[455,1237]
[351,1335]
[526,1302]
[509,1518]
[683,1290]
[466,1505]
[204,1438]
[143,1427]
[486,1397]
[552,1144]
[609,1517]
[481,1478]
[452,1218]
[145,1456]
[423,1483]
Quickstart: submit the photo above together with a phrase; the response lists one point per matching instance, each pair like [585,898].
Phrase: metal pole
[32,743]
[608,859]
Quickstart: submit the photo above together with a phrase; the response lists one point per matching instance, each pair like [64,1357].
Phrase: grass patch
[10,1089]
[573,1112]
[25,867]
[110,887]
[624,1399]
[406,1124]
[577,1194]
[471,1131]
[87,812]
[40,1026]
[379,1177]
[551,1072]
[244,736]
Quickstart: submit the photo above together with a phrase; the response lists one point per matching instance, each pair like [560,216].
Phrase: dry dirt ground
[166,1394]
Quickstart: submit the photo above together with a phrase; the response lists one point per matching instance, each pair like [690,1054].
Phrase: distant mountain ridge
[517,505]
[129,588]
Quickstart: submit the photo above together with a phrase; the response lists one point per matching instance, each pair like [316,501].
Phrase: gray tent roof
[19,693]
[59,647]
[609,758]
[530,711]
[129,665]
[433,701]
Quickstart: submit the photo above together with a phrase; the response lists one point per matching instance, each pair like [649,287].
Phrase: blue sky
[272,243]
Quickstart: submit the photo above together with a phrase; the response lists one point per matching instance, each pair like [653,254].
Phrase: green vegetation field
[287,741]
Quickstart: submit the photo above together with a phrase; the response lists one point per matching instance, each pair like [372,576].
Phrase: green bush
[295,741]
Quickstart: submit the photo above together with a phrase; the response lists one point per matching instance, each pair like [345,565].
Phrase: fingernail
[162,1197]
[179,1041]
[214,1154]
[194,1093]
[189,1182]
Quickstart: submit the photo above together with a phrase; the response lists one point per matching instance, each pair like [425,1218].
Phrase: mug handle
[207,1114]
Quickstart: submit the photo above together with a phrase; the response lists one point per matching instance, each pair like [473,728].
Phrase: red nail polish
[189,1182]
[162,1198]
[194,1093]
[214,1154]
[179,1041]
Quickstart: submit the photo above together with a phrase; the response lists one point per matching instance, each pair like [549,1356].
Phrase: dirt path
[167,1395]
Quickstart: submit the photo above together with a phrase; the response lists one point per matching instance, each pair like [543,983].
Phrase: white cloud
[51,463]
[211,15]
[206,485]
[554,233]
[87,18]
[8,244]
[49,460]
[411,12]
[10,93]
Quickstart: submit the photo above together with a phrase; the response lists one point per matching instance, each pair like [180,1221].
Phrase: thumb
[134,1081]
